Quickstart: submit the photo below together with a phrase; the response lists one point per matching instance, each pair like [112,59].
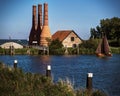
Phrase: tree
[56,47]
[110,27]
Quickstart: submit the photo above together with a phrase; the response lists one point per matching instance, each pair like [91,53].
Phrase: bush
[115,50]
[14,82]
[21,51]
[56,47]
[114,43]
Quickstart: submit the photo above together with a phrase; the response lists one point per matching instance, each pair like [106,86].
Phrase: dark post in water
[89,81]
[48,71]
[15,63]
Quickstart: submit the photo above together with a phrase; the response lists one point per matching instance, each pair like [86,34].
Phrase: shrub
[14,82]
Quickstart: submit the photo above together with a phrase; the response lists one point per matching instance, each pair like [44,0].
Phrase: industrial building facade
[40,30]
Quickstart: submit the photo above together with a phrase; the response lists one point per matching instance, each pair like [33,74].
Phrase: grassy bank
[71,51]
[115,50]
[22,51]
[14,82]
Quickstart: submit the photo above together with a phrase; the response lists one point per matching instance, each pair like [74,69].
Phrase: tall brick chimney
[33,32]
[39,26]
[40,14]
[45,22]
[45,34]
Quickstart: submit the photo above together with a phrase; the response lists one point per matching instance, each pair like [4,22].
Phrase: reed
[115,50]
[15,82]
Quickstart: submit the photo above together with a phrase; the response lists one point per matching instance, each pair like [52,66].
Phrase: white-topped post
[15,63]
[48,71]
[89,81]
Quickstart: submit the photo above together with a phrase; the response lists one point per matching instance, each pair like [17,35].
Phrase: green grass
[15,82]
[115,50]
[71,51]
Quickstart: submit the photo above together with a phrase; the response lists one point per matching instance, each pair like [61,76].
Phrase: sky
[77,15]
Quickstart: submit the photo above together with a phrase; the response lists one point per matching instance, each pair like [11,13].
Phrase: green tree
[56,47]
[110,27]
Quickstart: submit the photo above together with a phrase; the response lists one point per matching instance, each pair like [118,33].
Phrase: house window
[72,38]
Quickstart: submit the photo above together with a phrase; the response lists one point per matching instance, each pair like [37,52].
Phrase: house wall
[68,43]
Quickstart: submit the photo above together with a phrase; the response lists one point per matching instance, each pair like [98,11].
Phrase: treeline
[109,27]
[15,82]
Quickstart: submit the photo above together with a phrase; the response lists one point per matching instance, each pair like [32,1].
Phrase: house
[68,38]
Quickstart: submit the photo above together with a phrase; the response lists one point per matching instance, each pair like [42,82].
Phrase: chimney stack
[45,23]
[45,34]
[34,21]
[32,36]
[39,26]
[40,15]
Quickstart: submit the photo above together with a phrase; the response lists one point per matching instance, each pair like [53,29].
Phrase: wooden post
[78,49]
[48,71]
[89,81]
[15,63]
[48,50]
[44,50]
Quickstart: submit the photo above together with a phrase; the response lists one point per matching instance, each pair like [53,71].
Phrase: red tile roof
[61,34]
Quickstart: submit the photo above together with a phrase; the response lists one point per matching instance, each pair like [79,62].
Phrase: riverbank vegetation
[87,47]
[15,82]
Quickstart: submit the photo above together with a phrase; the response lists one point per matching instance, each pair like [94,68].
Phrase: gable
[71,40]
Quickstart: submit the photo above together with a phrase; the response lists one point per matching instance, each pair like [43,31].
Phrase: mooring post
[48,71]
[15,63]
[44,50]
[78,49]
[89,81]
[48,51]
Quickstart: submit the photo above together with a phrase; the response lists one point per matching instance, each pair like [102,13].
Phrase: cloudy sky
[77,15]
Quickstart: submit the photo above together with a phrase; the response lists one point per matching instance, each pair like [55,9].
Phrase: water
[106,71]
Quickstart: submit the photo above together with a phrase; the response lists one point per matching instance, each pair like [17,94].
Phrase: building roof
[19,41]
[8,44]
[62,34]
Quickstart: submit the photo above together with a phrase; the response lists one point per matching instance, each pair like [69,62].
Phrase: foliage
[86,51]
[114,43]
[2,51]
[21,51]
[34,51]
[14,82]
[115,50]
[90,44]
[84,92]
[110,27]
[56,47]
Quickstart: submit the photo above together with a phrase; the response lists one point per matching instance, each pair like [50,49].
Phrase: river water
[106,71]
